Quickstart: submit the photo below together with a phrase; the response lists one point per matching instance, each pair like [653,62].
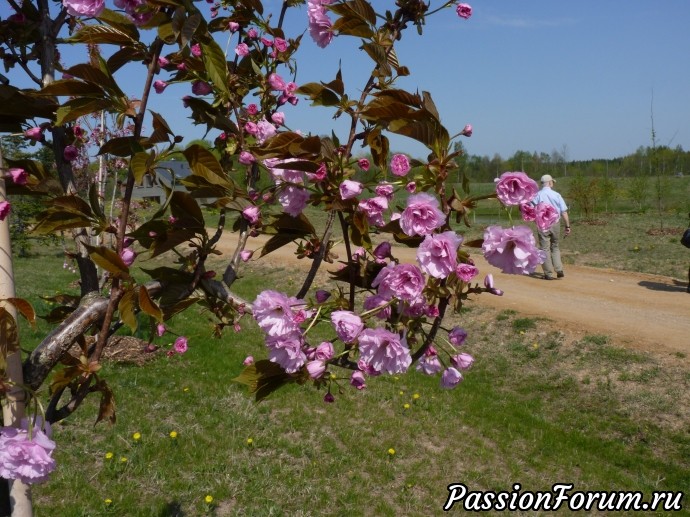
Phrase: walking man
[549,239]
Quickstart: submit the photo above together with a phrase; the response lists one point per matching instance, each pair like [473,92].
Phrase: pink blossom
[246,158]
[251,128]
[363,164]
[422,215]
[267,42]
[163,61]
[515,188]
[376,301]
[373,208]
[128,255]
[273,312]
[489,284]
[245,255]
[280,44]
[35,134]
[233,26]
[159,86]
[70,153]
[264,130]
[201,88]
[4,209]
[324,352]
[160,329]
[432,311]
[319,23]
[278,118]
[457,336]
[320,174]
[276,82]
[329,398]
[466,272]
[384,351]
[180,345]
[322,296]
[19,176]
[26,459]
[286,351]
[88,8]
[400,165]
[249,360]
[429,364]
[546,216]
[357,380]
[196,50]
[383,250]
[252,33]
[252,109]
[512,250]
[252,214]
[350,189]
[528,212]
[411,187]
[181,67]
[385,190]
[402,281]
[450,378]
[242,50]
[293,199]
[462,361]
[467,130]
[464,11]
[438,253]
[316,369]
[347,325]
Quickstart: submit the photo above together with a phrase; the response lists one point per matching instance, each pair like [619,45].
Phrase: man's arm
[567,222]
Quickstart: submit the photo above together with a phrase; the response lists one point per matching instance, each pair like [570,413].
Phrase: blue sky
[533,76]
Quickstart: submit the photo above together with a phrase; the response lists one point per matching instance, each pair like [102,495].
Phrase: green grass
[534,409]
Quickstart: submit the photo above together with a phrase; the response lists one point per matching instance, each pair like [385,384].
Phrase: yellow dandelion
[391,451]
[108,502]
[136,437]
[535,345]
[333,376]
[123,460]
[185,389]
[396,378]
[208,499]
[173,434]
[401,392]
[250,441]
[406,406]
[522,332]
[109,455]
[416,396]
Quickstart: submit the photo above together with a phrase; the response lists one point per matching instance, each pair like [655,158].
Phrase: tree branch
[316,263]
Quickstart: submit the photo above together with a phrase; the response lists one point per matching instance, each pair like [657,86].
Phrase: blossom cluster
[26,454]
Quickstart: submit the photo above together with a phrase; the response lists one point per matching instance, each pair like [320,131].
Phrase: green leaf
[319,94]
[185,208]
[99,35]
[215,64]
[204,164]
[126,55]
[126,310]
[95,202]
[263,378]
[106,407]
[9,337]
[71,88]
[121,22]
[76,108]
[352,27]
[92,74]
[189,27]
[109,260]
[276,242]
[121,146]
[24,308]
[142,164]
[148,306]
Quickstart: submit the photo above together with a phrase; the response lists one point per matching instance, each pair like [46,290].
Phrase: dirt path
[639,311]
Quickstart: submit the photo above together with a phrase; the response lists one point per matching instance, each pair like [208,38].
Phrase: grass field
[535,409]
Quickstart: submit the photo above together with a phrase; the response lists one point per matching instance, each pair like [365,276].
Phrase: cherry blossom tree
[385,316]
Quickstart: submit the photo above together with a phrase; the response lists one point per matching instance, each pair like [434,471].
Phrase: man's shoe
[549,278]
[560,274]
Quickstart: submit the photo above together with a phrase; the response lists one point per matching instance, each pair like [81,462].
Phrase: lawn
[535,409]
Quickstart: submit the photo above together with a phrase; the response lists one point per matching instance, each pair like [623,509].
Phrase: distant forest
[646,161]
